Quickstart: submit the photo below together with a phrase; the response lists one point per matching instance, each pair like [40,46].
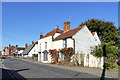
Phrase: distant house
[9,51]
[80,39]
[12,49]
[20,50]
[30,50]
[5,51]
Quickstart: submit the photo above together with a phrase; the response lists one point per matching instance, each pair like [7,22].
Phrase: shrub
[68,52]
[111,54]
[98,51]
[35,56]
[64,63]
[54,55]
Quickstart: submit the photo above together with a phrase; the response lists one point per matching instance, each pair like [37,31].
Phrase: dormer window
[56,35]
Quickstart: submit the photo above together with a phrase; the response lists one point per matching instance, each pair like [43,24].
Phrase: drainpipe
[74,45]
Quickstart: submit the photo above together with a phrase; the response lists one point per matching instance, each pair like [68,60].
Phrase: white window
[62,56]
[65,43]
[45,45]
[40,47]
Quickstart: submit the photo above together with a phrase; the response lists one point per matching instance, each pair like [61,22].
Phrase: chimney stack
[16,45]
[26,45]
[41,35]
[9,45]
[66,26]
[32,42]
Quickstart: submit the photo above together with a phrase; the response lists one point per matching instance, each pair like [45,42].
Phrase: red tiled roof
[36,42]
[11,47]
[69,33]
[93,33]
[52,33]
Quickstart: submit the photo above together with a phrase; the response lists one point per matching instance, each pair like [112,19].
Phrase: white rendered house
[31,49]
[80,39]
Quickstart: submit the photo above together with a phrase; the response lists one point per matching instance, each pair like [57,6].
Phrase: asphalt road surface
[24,69]
[8,74]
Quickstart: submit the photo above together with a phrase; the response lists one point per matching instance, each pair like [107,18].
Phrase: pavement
[34,69]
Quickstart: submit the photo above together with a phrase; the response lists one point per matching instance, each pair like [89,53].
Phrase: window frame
[65,43]
[45,45]
[40,47]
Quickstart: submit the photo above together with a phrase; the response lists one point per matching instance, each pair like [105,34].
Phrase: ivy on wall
[67,52]
[54,55]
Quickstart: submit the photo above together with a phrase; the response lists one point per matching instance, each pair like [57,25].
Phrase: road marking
[5,68]
[3,59]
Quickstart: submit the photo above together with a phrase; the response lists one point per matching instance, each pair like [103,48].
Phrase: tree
[111,54]
[105,30]
[119,36]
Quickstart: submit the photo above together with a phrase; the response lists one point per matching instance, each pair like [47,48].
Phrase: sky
[22,22]
[60,0]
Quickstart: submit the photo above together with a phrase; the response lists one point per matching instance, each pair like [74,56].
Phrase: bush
[98,51]
[64,63]
[54,55]
[68,52]
[36,56]
[111,54]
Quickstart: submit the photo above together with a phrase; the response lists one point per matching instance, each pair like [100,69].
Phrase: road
[32,70]
[6,73]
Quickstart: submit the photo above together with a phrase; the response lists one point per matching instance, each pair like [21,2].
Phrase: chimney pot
[41,35]
[16,45]
[32,42]
[26,45]
[66,26]
[57,27]
[9,45]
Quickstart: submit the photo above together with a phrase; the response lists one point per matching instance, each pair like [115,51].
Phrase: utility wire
[13,38]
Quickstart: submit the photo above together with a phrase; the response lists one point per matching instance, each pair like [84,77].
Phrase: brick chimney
[66,26]
[26,45]
[9,45]
[32,42]
[41,35]
[16,45]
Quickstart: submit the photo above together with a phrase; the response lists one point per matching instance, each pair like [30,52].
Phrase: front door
[39,56]
[45,56]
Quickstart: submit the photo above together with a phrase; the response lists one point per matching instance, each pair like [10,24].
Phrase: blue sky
[22,22]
